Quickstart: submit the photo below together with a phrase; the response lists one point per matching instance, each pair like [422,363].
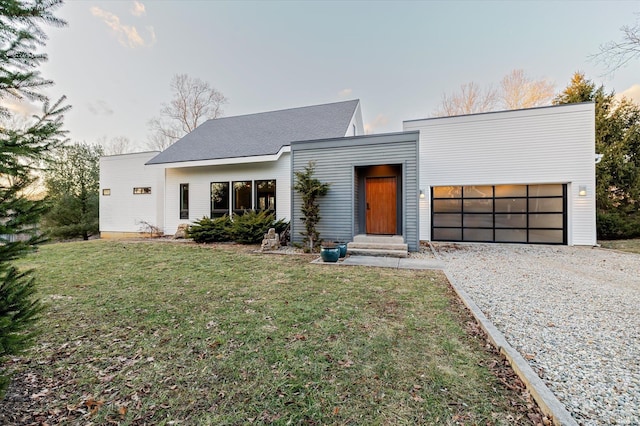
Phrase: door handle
[368,208]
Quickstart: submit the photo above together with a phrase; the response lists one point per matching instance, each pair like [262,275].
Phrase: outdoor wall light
[582,191]
[422,194]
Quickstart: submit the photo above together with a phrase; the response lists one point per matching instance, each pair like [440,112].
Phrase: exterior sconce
[422,194]
[582,191]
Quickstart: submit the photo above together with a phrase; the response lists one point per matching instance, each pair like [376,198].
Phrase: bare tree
[516,90]
[469,100]
[617,54]
[520,91]
[117,145]
[194,101]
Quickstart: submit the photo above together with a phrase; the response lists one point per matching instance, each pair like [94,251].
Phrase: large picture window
[266,195]
[242,196]
[501,213]
[219,199]
[184,201]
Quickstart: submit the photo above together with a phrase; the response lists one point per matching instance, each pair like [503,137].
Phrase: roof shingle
[259,134]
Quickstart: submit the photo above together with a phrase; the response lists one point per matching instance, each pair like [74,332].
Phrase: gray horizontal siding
[336,165]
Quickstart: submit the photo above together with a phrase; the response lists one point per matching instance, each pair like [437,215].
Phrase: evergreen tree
[618,140]
[310,189]
[73,183]
[22,151]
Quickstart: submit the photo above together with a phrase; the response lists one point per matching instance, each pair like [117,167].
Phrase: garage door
[502,213]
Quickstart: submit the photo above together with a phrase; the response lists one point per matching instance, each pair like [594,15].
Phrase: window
[242,197]
[266,195]
[140,190]
[106,192]
[219,199]
[184,201]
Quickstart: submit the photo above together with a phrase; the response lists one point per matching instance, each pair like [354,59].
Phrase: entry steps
[378,245]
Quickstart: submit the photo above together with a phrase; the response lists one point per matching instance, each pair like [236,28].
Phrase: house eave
[224,161]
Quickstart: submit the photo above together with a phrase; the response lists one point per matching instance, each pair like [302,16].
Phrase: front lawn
[632,246]
[163,333]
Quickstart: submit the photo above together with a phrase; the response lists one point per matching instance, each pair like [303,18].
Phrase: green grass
[162,333]
[631,246]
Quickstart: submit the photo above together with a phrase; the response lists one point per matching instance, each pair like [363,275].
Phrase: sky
[115,59]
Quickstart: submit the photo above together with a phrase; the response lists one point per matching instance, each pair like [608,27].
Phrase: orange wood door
[381,217]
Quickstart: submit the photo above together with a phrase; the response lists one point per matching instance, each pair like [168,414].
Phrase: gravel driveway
[573,312]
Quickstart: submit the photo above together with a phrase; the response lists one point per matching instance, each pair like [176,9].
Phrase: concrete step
[377,252]
[379,246]
[375,239]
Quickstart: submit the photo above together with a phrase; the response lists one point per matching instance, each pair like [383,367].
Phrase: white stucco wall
[531,146]
[122,211]
[200,178]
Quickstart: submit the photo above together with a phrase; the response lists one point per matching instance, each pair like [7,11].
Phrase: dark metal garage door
[502,213]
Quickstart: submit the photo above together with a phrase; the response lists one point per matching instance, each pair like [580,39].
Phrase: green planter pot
[343,249]
[330,254]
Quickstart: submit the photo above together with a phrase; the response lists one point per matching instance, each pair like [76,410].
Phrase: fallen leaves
[93,405]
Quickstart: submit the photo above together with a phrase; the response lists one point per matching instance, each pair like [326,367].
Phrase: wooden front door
[381,208]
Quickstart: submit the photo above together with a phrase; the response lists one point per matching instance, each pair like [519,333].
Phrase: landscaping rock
[183,228]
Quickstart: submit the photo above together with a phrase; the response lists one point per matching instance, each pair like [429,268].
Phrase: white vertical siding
[532,146]
[200,178]
[122,211]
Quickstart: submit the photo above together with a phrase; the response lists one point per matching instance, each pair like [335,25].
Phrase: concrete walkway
[385,262]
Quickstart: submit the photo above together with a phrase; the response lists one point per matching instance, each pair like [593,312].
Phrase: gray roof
[259,134]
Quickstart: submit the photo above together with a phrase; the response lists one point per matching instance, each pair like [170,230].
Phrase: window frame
[184,202]
[219,212]
[257,196]
[141,190]
[234,198]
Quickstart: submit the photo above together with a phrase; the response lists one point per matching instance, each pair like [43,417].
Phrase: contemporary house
[523,176]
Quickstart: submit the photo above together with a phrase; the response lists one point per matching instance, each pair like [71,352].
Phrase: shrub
[616,226]
[208,230]
[247,228]
[250,227]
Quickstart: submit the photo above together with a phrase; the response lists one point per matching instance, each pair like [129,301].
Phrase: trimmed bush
[247,228]
[250,227]
[208,230]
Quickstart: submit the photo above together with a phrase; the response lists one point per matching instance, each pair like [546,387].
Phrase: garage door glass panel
[546,236]
[478,221]
[545,190]
[477,235]
[511,205]
[511,220]
[511,191]
[511,235]
[447,234]
[447,192]
[478,191]
[445,206]
[546,205]
[447,220]
[546,220]
[478,206]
